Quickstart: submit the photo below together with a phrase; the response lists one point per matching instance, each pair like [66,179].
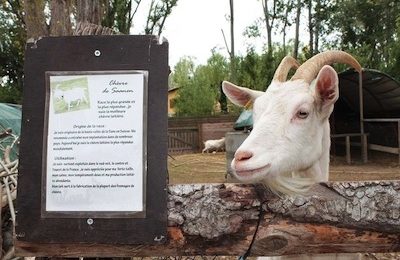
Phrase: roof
[172,89]
[381,94]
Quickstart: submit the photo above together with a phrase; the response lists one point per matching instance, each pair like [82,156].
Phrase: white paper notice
[95,143]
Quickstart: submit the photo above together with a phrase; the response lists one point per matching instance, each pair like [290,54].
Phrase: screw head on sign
[159,238]
[97,53]
[89,221]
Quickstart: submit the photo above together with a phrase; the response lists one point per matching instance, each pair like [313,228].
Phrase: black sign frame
[93,53]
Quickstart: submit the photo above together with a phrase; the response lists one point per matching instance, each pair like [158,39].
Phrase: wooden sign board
[93,150]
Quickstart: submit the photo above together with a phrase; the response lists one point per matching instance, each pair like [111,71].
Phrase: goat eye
[302,114]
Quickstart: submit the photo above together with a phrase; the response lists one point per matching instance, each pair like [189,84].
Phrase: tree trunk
[60,23]
[285,23]
[221,219]
[268,24]
[232,52]
[296,38]
[317,26]
[90,11]
[310,28]
[35,19]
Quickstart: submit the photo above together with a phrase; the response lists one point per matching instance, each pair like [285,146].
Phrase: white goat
[288,148]
[70,96]
[214,145]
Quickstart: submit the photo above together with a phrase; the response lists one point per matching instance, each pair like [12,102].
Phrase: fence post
[200,131]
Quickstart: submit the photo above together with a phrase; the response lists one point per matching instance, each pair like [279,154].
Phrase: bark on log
[86,28]
[221,219]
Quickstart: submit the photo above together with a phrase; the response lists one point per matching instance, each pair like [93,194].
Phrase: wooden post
[364,147]
[200,137]
[398,138]
[221,219]
[348,152]
[364,144]
[1,230]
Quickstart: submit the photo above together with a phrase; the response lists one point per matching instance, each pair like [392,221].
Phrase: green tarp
[10,118]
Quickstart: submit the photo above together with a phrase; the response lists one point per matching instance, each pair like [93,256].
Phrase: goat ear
[327,89]
[238,95]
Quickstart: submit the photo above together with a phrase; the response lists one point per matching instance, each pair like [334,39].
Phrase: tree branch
[226,44]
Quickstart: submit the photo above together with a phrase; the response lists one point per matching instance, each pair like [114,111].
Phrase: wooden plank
[382,120]
[348,134]
[195,121]
[382,148]
[183,128]
[181,139]
[212,131]
[220,219]
[398,139]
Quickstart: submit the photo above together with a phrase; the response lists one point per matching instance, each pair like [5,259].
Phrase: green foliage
[196,98]
[199,87]
[158,12]
[119,14]
[12,42]
[257,70]
[369,30]
[183,72]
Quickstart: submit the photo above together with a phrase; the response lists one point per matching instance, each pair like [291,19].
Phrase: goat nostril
[243,155]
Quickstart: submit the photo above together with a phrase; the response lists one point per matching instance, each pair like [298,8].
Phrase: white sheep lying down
[214,145]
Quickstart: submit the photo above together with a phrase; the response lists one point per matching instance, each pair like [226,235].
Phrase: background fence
[187,135]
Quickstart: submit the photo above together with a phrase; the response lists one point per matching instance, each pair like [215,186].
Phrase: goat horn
[284,67]
[309,69]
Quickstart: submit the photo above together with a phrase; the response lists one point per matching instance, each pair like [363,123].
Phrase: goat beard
[290,184]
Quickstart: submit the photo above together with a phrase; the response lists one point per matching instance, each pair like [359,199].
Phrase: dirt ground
[211,168]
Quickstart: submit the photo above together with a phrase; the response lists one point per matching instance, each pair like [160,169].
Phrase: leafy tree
[199,87]
[320,23]
[195,98]
[119,14]
[394,65]
[12,43]
[257,70]
[272,12]
[21,20]
[369,29]
[183,72]
[158,13]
